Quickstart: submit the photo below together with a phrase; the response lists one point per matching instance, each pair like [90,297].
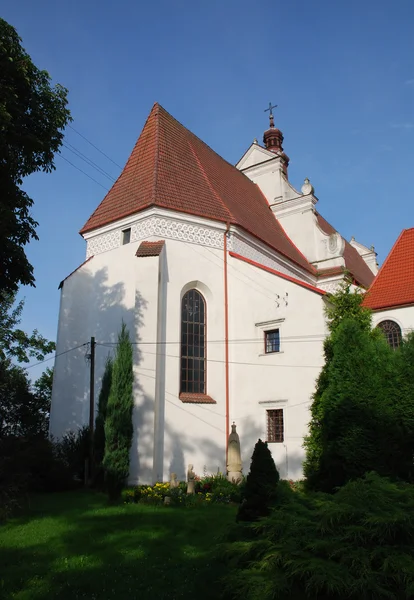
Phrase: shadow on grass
[75,546]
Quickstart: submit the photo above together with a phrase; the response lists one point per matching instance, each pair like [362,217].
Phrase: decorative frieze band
[157,226]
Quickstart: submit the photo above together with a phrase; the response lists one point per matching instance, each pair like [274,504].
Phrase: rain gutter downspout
[226,339]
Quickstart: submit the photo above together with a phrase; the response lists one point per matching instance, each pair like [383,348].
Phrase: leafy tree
[261,485]
[24,410]
[33,115]
[15,343]
[99,434]
[344,304]
[118,423]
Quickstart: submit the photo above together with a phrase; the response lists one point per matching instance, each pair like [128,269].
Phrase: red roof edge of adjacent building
[394,284]
[308,286]
[60,286]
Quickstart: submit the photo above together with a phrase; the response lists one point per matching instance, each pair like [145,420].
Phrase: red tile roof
[196,399]
[150,248]
[394,284]
[172,168]
[354,263]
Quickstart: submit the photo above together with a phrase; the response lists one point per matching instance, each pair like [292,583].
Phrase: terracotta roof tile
[172,168]
[394,284]
[354,262]
[150,248]
[197,399]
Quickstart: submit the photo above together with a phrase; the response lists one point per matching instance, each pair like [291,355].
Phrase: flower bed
[210,489]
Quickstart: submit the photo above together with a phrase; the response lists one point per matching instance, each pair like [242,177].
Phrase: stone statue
[173,481]
[190,480]
[234,462]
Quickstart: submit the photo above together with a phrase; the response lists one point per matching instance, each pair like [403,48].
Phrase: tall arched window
[392,332]
[193,343]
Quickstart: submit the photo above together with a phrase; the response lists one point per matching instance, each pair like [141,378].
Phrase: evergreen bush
[261,485]
[353,545]
[118,423]
[99,433]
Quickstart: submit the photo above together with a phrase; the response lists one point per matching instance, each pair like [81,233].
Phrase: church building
[221,274]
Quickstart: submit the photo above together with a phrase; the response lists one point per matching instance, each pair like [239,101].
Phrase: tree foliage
[24,409]
[118,423]
[261,485]
[99,433]
[353,545]
[33,115]
[362,413]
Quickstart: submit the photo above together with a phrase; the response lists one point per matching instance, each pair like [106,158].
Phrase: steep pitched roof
[172,168]
[354,262]
[394,284]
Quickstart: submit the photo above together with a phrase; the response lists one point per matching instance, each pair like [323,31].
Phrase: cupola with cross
[273,138]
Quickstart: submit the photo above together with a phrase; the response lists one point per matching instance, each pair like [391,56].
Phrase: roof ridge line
[210,185]
[386,260]
[157,151]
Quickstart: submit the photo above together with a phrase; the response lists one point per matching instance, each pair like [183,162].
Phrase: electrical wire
[94,146]
[88,161]
[82,171]
[55,356]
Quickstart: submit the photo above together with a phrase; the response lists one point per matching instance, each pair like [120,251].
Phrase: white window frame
[265,326]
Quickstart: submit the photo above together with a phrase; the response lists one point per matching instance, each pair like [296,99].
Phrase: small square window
[126,236]
[275,425]
[272,341]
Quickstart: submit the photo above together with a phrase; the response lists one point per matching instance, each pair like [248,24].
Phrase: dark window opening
[193,344]
[272,341]
[392,332]
[275,425]
[126,236]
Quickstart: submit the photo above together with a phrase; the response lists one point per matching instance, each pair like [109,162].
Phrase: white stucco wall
[404,316]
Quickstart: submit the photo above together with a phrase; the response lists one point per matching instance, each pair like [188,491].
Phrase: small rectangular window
[272,341]
[126,236]
[275,425]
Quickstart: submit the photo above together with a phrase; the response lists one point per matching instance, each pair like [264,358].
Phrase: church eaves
[172,168]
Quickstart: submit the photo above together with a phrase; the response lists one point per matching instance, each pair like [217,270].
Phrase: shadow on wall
[89,307]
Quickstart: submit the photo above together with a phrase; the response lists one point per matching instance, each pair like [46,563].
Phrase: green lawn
[74,545]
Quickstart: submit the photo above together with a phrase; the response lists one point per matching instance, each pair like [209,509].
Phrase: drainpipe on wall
[226,339]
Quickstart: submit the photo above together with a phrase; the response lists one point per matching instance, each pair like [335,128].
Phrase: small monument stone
[190,480]
[234,462]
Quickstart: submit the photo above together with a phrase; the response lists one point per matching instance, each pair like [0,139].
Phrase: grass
[74,545]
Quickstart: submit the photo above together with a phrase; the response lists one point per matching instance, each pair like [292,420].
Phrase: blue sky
[342,74]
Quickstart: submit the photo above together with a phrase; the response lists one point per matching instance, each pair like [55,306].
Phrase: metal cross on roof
[270,109]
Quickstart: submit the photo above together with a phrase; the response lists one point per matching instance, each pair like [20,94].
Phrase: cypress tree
[118,423]
[261,485]
[99,434]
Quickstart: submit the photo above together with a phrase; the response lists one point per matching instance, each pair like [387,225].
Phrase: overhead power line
[94,146]
[88,161]
[82,171]
[55,356]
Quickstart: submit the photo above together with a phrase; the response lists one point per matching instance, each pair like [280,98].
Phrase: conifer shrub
[118,423]
[99,433]
[354,545]
[260,489]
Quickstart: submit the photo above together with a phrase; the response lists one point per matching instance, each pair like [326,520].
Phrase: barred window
[275,425]
[272,341]
[193,343]
[392,332]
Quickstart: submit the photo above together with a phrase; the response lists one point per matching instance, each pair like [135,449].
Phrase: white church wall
[403,315]
[194,433]
[116,285]
[286,379]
